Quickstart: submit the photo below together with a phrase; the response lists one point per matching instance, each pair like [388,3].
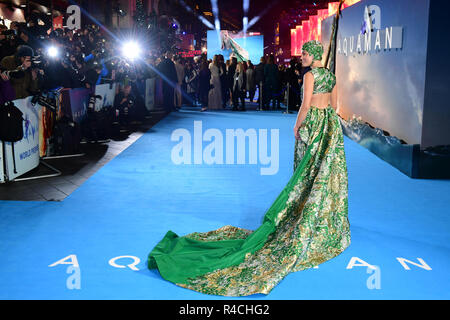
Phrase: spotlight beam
[200,17]
[245,5]
[215,10]
[259,16]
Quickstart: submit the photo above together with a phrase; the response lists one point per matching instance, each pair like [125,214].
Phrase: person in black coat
[239,87]
[271,82]
[224,81]
[292,79]
[259,77]
[204,76]
[230,74]
[124,103]
[167,69]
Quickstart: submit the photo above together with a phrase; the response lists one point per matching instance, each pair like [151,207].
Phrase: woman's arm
[308,87]
[334,97]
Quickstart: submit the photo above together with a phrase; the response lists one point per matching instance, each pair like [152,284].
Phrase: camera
[14,74]
[9,34]
[100,50]
[45,102]
[36,62]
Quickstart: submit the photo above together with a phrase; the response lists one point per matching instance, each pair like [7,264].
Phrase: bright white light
[52,52]
[215,10]
[246,5]
[253,21]
[217,24]
[245,23]
[131,50]
[206,22]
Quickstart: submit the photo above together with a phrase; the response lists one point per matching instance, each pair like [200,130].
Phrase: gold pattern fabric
[311,229]
[306,226]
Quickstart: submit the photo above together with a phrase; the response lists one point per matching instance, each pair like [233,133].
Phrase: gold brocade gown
[305,226]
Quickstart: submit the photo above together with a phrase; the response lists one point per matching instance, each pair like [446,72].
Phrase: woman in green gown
[305,226]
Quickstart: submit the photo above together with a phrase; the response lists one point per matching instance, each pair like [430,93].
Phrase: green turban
[314,48]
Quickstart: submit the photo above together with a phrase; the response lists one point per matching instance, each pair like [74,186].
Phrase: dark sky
[231,14]
[232,10]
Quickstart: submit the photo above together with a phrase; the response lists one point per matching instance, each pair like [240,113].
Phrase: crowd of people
[34,60]
[216,84]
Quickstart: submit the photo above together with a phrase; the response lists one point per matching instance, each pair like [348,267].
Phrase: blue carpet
[129,204]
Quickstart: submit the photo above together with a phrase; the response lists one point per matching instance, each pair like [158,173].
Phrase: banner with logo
[390,70]
[235,44]
[26,151]
[74,103]
[108,93]
[381,71]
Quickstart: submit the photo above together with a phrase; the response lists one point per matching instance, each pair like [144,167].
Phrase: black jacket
[240,81]
[259,73]
[167,68]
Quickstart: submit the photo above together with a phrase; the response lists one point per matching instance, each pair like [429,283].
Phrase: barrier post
[260,96]
[287,100]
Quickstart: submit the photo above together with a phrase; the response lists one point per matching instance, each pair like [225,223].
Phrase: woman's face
[307,59]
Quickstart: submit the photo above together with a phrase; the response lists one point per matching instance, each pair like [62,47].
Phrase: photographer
[124,105]
[96,68]
[77,69]
[18,70]
[11,39]
[93,76]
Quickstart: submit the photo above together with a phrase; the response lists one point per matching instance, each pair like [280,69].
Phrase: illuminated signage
[373,41]
[189,53]
[372,38]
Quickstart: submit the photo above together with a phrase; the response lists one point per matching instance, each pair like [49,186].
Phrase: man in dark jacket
[239,87]
[271,82]
[230,74]
[17,70]
[224,82]
[167,68]
[259,78]
[292,79]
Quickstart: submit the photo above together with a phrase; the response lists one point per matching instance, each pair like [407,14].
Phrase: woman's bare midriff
[321,100]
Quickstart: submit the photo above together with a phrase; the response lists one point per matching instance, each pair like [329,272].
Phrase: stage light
[246,5]
[131,50]
[52,52]
[256,18]
[201,18]
[215,10]
[245,23]
[206,22]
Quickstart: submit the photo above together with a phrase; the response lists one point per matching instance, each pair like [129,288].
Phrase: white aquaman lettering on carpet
[373,281]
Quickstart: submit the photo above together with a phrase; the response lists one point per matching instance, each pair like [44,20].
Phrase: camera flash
[52,52]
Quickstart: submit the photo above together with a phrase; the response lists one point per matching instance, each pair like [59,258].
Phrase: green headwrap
[314,48]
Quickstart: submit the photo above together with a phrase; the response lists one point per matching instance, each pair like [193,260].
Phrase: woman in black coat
[204,77]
